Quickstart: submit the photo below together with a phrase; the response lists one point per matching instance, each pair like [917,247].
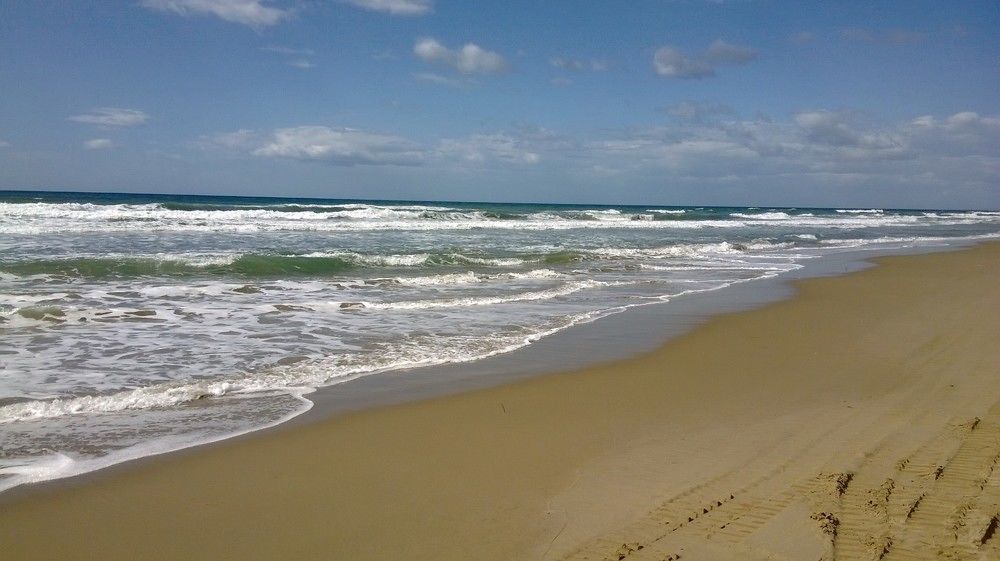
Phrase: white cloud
[561,81]
[481,148]
[470,59]
[706,145]
[112,117]
[826,145]
[340,146]
[253,13]
[673,63]
[670,62]
[834,130]
[98,144]
[826,127]
[347,147]
[396,7]
[4,144]
[302,63]
[966,121]
[721,52]
[965,133]
[430,50]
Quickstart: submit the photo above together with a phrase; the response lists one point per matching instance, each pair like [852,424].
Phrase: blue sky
[644,101]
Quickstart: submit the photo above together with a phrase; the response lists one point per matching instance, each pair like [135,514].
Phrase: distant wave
[40,217]
[860,211]
[253,265]
[264,265]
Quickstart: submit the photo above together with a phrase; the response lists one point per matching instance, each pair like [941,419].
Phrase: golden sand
[858,420]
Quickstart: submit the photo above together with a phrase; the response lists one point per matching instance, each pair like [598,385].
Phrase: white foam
[41,218]
[419,259]
[763,215]
[21,471]
[904,241]
[564,290]
[180,290]
[687,250]
[298,379]
[22,299]
[470,277]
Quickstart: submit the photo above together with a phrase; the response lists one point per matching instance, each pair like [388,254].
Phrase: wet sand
[858,420]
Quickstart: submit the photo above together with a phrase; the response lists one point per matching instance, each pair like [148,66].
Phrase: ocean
[132,325]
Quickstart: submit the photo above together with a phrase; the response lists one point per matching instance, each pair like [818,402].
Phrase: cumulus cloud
[965,133]
[706,144]
[820,145]
[470,59]
[347,147]
[396,7]
[252,13]
[481,148]
[670,62]
[98,144]
[835,130]
[112,117]
[673,63]
[338,146]
[814,148]
[965,121]
[826,127]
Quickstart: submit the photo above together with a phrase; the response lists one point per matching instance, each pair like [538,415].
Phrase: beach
[138,324]
[371,280]
[857,420]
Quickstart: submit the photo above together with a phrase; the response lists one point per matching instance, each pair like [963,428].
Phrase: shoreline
[645,326]
[639,430]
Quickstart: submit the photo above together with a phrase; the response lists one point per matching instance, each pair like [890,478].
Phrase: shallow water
[131,325]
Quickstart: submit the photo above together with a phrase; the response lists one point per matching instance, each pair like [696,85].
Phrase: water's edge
[610,338]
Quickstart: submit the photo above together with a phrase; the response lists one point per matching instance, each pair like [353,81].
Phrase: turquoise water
[133,324]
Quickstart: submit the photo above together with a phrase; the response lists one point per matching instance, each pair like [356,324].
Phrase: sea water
[136,324]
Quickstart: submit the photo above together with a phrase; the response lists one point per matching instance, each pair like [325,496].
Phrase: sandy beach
[859,419]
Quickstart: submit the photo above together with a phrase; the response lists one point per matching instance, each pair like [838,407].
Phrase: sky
[724,102]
